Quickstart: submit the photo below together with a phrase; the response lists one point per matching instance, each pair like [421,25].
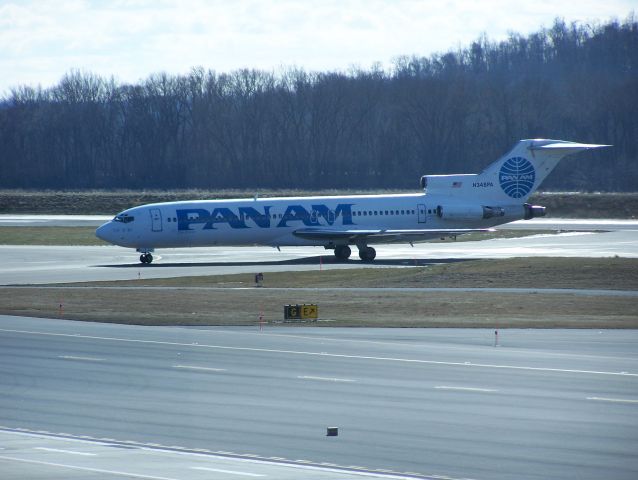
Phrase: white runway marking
[70,452]
[325,379]
[86,469]
[614,400]
[82,359]
[466,389]
[231,472]
[204,369]
[323,354]
[247,458]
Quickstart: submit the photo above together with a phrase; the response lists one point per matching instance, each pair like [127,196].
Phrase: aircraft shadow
[314,260]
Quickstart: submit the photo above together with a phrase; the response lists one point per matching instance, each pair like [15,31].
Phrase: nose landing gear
[146,258]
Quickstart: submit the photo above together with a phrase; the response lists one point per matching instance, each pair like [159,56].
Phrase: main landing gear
[367,254]
[342,252]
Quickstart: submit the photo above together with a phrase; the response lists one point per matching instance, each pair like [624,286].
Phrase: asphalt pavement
[410,402]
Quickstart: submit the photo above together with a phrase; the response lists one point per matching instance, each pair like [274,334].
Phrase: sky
[41,40]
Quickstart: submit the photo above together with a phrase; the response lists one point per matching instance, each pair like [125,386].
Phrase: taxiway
[51,264]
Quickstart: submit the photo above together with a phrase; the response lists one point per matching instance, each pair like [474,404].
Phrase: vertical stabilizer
[518,174]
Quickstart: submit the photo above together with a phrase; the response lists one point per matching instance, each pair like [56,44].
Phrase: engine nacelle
[469,212]
[533,211]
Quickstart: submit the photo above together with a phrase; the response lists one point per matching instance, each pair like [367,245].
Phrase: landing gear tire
[146,258]
[342,252]
[367,254]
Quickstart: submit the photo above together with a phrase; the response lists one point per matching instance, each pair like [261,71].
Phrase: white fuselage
[272,221]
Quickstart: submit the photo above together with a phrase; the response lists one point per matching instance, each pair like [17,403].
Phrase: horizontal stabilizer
[566,146]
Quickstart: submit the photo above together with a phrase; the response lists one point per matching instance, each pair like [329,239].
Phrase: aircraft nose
[104,232]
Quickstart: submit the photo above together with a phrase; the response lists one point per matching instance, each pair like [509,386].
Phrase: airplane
[450,205]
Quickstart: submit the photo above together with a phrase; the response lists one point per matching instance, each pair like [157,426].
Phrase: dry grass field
[233,300]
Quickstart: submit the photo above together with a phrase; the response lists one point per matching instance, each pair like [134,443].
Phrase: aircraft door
[156,220]
[421,212]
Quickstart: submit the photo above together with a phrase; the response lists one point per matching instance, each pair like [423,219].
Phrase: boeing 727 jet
[449,205]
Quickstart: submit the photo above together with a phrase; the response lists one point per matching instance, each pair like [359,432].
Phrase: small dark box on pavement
[332,432]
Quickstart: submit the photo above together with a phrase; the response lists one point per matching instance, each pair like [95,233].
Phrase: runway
[51,264]
[408,402]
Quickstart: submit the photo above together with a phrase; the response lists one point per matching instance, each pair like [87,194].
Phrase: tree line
[452,112]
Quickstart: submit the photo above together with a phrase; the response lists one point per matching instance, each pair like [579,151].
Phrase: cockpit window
[124,218]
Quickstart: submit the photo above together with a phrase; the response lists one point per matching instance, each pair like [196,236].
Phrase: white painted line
[465,389]
[231,472]
[325,467]
[71,452]
[615,400]
[325,379]
[82,359]
[333,355]
[86,469]
[203,369]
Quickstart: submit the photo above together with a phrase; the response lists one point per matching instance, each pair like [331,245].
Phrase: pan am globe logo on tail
[517,176]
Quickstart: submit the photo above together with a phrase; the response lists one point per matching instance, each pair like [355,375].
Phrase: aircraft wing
[385,235]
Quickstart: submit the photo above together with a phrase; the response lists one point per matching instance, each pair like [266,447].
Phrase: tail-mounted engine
[485,212]
[533,211]
[469,212]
